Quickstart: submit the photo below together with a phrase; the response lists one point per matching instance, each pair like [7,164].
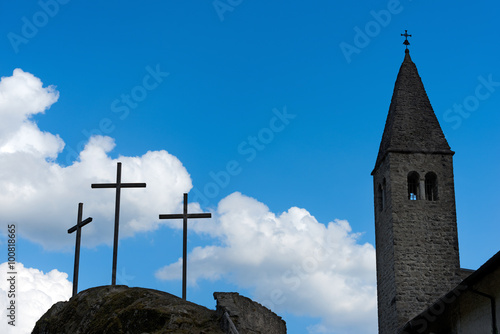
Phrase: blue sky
[256,108]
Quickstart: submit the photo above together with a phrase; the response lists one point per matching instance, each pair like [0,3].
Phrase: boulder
[123,310]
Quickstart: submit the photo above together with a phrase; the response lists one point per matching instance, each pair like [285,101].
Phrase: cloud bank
[290,261]
[35,293]
[30,177]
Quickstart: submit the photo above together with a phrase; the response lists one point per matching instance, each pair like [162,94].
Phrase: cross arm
[122,185]
[82,224]
[172,216]
[190,215]
[199,215]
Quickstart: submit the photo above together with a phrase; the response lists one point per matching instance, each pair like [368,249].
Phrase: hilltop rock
[119,309]
[247,316]
[124,310]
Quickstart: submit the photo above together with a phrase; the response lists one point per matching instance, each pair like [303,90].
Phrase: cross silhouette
[118,185]
[185,216]
[406,42]
[78,228]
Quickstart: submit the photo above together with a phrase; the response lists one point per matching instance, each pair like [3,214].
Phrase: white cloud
[35,293]
[21,96]
[42,196]
[291,261]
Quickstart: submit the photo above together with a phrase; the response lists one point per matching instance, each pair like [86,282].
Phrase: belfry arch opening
[384,197]
[380,200]
[431,187]
[381,196]
[413,182]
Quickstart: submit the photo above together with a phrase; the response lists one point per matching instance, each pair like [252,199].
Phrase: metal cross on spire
[77,228]
[185,217]
[406,42]
[118,185]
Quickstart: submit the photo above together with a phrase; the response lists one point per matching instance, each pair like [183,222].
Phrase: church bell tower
[415,214]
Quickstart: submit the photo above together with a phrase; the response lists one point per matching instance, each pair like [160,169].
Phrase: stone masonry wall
[248,316]
[384,241]
[417,242]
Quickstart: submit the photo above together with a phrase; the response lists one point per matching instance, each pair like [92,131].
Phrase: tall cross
[185,216]
[118,185]
[78,228]
[406,42]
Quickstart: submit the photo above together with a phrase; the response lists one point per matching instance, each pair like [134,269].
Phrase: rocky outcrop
[247,316]
[120,310]
[123,310]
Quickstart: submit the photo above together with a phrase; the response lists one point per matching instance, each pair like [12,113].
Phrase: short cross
[118,185]
[77,228]
[406,42]
[185,217]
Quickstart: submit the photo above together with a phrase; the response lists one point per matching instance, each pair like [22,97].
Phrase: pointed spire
[411,125]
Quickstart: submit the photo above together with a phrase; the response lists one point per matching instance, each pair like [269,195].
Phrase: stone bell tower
[415,214]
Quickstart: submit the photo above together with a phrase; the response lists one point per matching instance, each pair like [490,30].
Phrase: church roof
[437,321]
[411,125]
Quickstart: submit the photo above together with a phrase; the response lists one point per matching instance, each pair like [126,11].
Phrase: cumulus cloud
[292,262]
[35,293]
[21,96]
[42,196]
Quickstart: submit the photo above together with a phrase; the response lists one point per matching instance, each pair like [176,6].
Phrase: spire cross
[406,42]
[77,228]
[184,216]
[118,185]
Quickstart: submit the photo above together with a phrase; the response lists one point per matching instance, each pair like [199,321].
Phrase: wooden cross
[185,216]
[77,228]
[406,42]
[118,185]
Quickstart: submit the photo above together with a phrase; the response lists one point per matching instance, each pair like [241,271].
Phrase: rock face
[124,310]
[247,316]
